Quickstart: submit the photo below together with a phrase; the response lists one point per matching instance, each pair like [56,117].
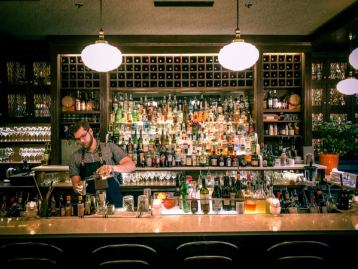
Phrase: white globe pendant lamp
[101,56]
[348,86]
[238,55]
[353,58]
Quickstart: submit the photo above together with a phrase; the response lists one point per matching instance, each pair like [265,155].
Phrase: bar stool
[207,254]
[31,254]
[124,256]
[299,254]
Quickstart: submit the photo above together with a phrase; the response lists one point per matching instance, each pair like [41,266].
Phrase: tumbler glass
[128,203]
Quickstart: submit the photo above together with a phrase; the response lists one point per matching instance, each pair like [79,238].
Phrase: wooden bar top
[178,224]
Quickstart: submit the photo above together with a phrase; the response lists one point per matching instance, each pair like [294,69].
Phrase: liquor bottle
[194,205]
[204,196]
[80,207]
[83,101]
[226,194]
[115,103]
[275,100]
[46,155]
[184,195]
[78,101]
[217,196]
[87,205]
[68,208]
[269,100]
[203,158]
[118,115]
[90,102]
[129,146]
[53,209]
[232,193]
[239,196]
[62,206]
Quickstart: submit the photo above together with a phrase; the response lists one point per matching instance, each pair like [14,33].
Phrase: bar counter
[178,224]
[253,234]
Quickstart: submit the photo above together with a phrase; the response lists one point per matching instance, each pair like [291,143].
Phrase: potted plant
[337,138]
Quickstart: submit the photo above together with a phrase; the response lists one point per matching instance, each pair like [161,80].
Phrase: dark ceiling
[327,22]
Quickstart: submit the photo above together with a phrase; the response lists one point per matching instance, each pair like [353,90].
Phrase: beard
[88,145]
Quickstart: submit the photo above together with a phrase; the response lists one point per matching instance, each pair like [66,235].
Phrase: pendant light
[353,58]
[349,85]
[238,55]
[101,56]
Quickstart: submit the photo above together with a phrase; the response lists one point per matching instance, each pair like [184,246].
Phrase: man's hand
[105,171]
[79,187]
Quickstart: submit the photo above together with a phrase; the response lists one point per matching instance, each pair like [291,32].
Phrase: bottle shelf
[281,121]
[81,112]
[281,136]
[25,141]
[73,122]
[281,110]
[218,168]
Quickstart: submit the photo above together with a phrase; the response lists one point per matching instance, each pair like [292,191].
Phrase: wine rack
[74,74]
[282,69]
[177,71]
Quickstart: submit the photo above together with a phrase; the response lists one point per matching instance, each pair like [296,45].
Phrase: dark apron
[113,193]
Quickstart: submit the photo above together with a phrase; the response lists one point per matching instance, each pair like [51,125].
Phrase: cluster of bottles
[272,100]
[248,194]
[215,194]
[85,101]
[184,131]
[42,104]
[283,129]
[16,206]
[174,109]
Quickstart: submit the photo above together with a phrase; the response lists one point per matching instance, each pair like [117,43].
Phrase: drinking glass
[143,203]
[128,203]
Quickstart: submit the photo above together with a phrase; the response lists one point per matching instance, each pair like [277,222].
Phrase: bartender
[105,160]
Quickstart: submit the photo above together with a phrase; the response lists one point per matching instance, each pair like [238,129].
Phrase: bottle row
[282,129]
[202,194]
[230,193]
[274,58]
[283,66]
[282,82]
[180,84]
[16,73]
[175,109]
[154,58]
[17,105]
[271,100]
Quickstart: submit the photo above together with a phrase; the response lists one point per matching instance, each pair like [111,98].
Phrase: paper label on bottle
[204,199]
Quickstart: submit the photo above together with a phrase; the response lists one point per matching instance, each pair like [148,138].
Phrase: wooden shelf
[281,110]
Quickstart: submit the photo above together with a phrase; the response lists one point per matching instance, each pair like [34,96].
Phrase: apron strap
[99,152]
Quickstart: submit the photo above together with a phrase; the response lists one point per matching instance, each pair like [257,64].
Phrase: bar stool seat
[207,254]
[124,256]
[299,254]
[31,254]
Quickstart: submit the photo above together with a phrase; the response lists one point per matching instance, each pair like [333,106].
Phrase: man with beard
[95,157]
